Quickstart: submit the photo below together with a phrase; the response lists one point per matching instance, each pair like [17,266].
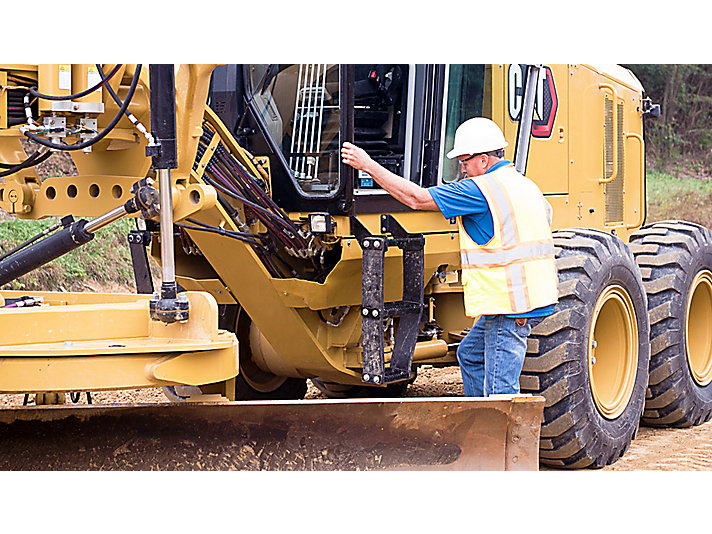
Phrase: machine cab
[299,115]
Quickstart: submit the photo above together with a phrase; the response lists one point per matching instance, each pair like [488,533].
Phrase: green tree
[682,136]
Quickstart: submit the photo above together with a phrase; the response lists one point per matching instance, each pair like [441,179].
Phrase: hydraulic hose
[34,159]
[98,137]
[37,94]
[140,127]
[240,236]
[259,200]
[248,203]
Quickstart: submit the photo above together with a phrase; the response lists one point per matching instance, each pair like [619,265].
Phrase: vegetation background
[679,183]
[679,142]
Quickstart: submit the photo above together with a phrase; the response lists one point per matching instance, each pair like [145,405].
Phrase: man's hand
[405,191]
[356,157]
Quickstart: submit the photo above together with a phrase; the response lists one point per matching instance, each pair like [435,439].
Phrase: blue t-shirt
[464,199]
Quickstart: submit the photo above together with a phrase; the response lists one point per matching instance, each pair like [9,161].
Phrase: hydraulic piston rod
[167,305]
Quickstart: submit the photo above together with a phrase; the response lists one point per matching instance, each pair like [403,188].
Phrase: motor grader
[281,264]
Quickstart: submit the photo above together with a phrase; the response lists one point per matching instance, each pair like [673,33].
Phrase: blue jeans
[491,356]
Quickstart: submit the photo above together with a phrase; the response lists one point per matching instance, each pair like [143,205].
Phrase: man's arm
[405,191]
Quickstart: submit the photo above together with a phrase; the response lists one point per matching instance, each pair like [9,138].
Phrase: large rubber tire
[675,259]
[594,392]
[253,383]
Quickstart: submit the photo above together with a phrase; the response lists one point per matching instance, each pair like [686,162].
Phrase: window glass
[299,105]
[465,95]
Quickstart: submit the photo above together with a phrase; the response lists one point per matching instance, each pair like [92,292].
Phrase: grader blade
[496,433]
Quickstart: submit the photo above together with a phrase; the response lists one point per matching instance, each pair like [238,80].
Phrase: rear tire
[589,360]
[675,258]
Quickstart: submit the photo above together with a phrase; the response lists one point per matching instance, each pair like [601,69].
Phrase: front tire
[589,360]
[252,382]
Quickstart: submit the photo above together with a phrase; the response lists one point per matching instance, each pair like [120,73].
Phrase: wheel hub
[613,351]
[698,328]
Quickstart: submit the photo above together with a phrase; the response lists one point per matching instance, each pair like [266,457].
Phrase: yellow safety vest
[515,271]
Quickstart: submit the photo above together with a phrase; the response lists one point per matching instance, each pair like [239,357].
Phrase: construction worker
[506,247]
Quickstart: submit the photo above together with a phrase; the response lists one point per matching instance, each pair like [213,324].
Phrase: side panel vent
[614,140]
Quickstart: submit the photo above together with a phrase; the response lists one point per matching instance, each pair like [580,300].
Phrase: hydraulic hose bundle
[38,157]
[100,135]
[35,159]
[233,180]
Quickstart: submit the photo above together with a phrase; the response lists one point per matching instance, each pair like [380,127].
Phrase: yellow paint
[94,341]
[568,166]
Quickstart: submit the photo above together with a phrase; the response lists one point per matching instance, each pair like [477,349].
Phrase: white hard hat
[477,136]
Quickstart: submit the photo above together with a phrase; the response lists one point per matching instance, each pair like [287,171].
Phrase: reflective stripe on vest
[500,257]
[497,275]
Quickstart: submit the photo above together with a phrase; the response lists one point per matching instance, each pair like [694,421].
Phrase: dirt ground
[687,449]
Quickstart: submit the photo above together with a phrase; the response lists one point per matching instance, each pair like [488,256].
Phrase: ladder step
[374,310]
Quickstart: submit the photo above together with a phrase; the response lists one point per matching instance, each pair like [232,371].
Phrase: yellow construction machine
[280,264]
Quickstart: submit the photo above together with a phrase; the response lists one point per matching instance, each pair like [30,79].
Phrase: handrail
[526,118]
[604,181]
[641,217]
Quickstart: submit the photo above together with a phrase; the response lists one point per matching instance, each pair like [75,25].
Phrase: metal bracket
[138,241]
[374,310]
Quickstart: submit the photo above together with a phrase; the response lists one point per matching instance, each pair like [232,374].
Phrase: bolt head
[366,377]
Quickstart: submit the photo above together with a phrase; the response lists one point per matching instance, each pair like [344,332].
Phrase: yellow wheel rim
[613,351]
[698,328]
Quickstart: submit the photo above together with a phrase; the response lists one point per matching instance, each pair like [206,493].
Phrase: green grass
[688,199]
[102,264]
